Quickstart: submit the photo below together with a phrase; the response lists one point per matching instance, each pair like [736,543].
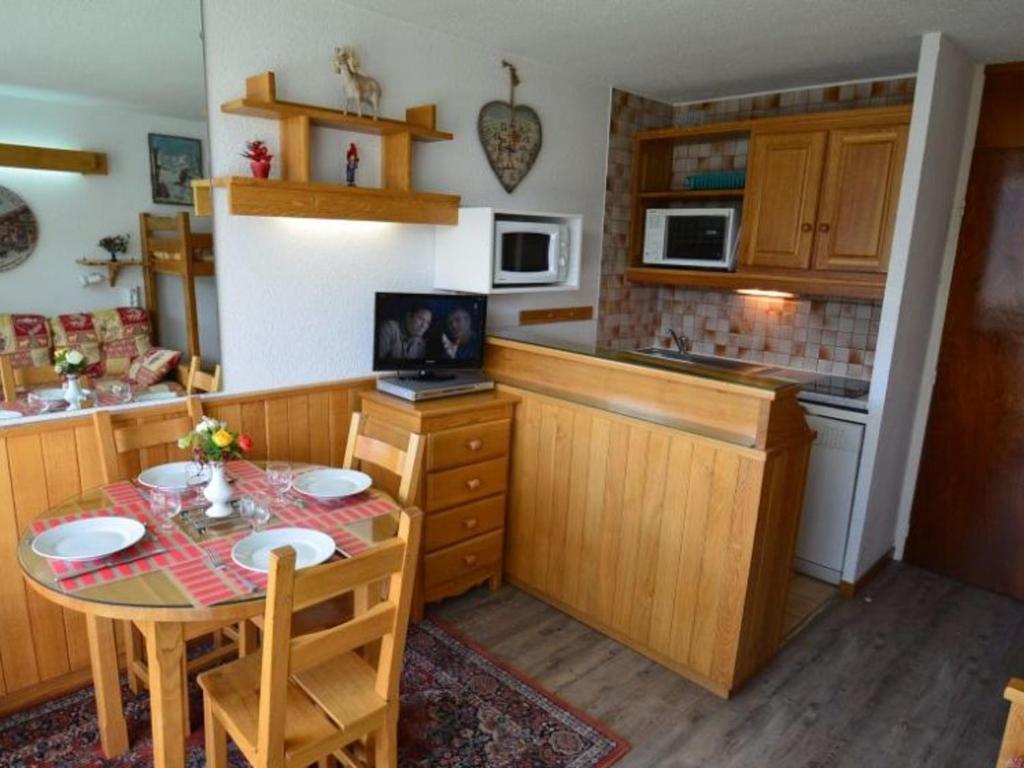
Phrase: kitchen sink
[692,358]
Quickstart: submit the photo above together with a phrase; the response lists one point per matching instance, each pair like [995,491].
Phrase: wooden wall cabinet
[464,487]
[818,209]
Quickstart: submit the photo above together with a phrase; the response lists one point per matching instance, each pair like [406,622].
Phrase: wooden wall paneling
[670,542]
[525,457]
[629,530]
[63,481]
[540,533]
[28,476]
[17,653]
[253,422]
[277,428]
[298,428]
[580,478]
[652,511]
[557,563]
[594,522]
[320,431]
[698,501]
[614,492]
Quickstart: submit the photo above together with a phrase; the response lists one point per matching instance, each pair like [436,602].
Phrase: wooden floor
[806,597]
[910,673]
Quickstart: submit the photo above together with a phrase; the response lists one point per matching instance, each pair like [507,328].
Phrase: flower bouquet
[259,158]
[212,443]
[71,363]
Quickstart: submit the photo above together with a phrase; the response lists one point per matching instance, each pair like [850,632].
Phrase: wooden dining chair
[301,700]
[194,379]
[114,443]
[406,464]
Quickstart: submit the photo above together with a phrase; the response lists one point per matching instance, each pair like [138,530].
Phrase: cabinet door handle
[824,227]
[470,523]
[475,445]
[473,484]
[806,227]
[469,560]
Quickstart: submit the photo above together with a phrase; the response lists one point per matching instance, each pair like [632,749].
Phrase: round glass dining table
[179,583]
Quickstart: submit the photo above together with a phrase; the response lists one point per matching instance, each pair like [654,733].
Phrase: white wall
[75,211]
[938,127]
[296,295]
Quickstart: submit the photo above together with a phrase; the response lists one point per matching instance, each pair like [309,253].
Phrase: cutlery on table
[112,564]
[217,563]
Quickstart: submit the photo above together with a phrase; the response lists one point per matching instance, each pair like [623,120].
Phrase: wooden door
[968,514]
[857,208]
[782,199]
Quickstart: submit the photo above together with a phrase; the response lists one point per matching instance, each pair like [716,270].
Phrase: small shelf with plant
[113,245]
[296,194]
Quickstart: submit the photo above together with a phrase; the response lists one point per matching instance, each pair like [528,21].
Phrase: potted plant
[259,158]
[71,363]
[115,244]
[212,443]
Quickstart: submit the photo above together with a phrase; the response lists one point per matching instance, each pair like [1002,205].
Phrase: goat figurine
[356,85]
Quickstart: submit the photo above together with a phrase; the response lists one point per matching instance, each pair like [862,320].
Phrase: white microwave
[530,252]
[695,238]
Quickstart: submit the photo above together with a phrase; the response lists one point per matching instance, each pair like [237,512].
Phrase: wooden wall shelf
[311,200]
[47,159]
[844,284]
[113,267]
[694,194]
[296,194]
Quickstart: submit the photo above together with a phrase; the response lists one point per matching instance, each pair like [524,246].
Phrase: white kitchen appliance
[693,238]
[495,250]
[530,252]
[828,495]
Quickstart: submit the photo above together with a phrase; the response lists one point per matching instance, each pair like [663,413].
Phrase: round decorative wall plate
[19,230]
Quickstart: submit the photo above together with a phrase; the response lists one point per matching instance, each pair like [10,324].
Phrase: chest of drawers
[463,485]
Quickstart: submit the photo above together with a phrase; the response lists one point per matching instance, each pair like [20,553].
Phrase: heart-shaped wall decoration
[511,137]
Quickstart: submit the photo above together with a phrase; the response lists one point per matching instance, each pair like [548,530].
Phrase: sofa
[110,339]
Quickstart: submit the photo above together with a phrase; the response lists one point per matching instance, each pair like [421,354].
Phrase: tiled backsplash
[826,335]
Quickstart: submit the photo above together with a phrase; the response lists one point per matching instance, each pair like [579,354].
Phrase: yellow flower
[222,438]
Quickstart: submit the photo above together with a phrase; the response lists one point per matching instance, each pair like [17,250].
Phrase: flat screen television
[428,332]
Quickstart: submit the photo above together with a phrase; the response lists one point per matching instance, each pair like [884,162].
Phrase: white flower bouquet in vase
[71,363]
[212,443]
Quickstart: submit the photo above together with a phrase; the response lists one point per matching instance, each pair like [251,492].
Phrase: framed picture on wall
[174,161]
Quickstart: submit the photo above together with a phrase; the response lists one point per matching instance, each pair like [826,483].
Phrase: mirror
[124,78]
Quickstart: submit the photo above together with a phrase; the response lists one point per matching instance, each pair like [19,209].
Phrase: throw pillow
[152,366]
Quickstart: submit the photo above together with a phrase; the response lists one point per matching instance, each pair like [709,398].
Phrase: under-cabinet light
[763,293]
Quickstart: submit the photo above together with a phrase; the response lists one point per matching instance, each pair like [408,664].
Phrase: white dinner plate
[175,476]
[10,415]
[89,538]
[311,547]
[332,483]
[145,397]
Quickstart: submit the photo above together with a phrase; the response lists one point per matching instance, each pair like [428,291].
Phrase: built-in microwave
[530,252]
[694,238]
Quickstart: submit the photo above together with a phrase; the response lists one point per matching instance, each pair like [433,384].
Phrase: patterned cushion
[22,333]
[1015,762]
[118,355]
[153,366]
[70,330]
[121,323]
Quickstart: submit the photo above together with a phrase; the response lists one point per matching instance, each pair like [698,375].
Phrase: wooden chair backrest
[1013,737]
[14,379]
[114,441]
[289,591]
[406,464]
[193,378]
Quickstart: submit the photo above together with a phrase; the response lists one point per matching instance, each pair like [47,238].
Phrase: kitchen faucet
[682,342]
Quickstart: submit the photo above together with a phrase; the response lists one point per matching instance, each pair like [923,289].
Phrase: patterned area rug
[461,708]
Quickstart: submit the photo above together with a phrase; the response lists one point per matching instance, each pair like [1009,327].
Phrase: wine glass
[36,404]
[122,390]
[165,505]
[279,475]
[255,511]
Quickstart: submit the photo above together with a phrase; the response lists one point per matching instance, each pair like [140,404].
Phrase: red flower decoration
[245,443]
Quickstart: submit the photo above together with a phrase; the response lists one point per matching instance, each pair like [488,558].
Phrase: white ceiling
[144,54]
[684,50]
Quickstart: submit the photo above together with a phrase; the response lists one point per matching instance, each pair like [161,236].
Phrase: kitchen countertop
[814,387]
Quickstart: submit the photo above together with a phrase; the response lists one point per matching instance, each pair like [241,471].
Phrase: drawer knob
[806,227]
[475,444]
[473,484]
[470,523]
[824,227]
[469,560]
